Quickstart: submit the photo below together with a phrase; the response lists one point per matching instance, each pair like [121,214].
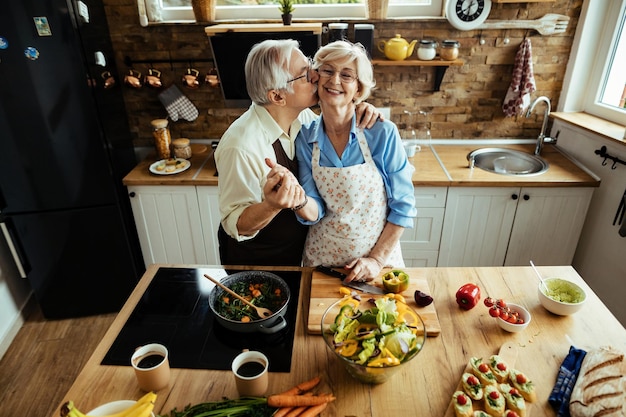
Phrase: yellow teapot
[397,48]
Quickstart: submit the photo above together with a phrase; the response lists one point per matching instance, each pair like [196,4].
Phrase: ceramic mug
[109,80]
[251,375]
[152,367]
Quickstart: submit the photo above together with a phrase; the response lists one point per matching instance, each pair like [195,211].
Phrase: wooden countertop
[425,386]
[439,166]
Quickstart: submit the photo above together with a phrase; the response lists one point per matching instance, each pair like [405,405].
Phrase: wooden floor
[44,359]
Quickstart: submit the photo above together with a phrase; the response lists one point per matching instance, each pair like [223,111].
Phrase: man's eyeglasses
[306,75]
[345,76]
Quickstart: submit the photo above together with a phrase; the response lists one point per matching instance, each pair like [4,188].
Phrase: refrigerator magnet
[43,28]
[4,43]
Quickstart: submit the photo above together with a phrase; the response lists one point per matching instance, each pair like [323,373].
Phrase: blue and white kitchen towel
[522,85]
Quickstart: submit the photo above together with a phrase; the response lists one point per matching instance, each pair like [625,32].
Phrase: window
[596,80]
[180,10]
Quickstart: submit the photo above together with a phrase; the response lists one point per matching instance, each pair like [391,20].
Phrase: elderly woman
[360,179]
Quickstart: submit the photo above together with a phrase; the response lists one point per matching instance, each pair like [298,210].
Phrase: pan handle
[277,326]
[14,247]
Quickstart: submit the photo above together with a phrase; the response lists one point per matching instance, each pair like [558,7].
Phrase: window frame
[347,11]
[586,74]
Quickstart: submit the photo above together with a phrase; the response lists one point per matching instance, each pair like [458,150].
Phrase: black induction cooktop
[174,311]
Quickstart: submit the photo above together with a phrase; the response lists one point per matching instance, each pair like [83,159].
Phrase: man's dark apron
[281,242]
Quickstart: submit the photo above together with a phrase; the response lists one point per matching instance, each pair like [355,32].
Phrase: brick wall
[468,104]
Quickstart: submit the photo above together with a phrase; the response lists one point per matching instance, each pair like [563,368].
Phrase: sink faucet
[542,138]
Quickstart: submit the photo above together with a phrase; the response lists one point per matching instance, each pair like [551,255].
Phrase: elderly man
[258,191]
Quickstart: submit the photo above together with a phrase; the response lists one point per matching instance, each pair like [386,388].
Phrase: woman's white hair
[344,52]
[267,68]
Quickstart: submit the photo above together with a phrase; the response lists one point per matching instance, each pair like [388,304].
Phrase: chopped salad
[380,336]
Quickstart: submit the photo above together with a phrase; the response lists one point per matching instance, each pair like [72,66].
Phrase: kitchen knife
[361,286]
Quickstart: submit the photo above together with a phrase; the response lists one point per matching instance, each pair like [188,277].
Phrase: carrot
[302,387]
[295,412]
[282,412]
[314,410]
[279,400]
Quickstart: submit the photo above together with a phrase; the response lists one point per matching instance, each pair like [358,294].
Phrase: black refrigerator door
[52,149]
[80,262]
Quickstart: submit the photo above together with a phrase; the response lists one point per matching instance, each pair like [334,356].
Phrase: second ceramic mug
[152,367]
[251,375]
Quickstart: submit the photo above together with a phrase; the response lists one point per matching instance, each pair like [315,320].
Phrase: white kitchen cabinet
[486,226]
[168,223]
[210,219]
[420,245]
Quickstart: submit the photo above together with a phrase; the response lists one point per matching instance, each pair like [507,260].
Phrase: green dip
[563,291]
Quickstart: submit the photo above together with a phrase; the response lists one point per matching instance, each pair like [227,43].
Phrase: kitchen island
[424,387]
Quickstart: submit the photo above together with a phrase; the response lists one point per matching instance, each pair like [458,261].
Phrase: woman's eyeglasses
[345,76]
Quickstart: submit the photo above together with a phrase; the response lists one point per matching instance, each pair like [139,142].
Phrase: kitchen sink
[507,161]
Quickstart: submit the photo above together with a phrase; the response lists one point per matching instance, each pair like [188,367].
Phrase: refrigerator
[65,146]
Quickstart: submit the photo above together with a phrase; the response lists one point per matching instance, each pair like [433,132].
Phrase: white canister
[427,50]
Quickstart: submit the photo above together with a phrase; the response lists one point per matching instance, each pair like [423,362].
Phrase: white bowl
[112,408]
[513,328]
[563,290]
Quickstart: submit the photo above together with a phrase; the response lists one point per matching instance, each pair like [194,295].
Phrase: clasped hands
[282,189]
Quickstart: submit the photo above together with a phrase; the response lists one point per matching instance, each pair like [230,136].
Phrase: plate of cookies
[170,166]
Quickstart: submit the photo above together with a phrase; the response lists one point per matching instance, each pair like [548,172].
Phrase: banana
[142,408]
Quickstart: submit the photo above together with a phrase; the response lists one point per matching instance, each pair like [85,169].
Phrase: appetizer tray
[162,168]
[325,291]
[508,353]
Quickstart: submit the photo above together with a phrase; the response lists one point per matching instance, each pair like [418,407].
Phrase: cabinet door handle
[514,196]
[526,197]
[132,194]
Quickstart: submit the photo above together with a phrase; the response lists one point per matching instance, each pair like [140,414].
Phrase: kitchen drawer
[430,196]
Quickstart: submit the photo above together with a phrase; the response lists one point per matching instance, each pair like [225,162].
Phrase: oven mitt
[565,381]
[178,105]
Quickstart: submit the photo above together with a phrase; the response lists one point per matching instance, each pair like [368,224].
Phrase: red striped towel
[522,85]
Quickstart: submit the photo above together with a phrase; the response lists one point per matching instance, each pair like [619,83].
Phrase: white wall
[599,257]
[14,293]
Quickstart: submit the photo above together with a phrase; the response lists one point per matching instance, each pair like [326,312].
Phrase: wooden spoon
[262,312]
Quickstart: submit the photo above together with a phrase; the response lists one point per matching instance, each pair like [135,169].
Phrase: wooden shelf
[440,66]
[438,62]
[263,27]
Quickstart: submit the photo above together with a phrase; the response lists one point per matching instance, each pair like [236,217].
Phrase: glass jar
[162,138]
[182,149]
[449,50]
[427,50]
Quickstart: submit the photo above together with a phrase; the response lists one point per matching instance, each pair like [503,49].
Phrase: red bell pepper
[468,296]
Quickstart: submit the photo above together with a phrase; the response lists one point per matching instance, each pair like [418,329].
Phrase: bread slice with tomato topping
[462,404]
[499,368]
[494,401]
[482,371]
[472,386]
[514,400]
[523,384]
[480,413]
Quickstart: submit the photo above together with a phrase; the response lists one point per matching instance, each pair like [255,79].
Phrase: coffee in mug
[337,32]
[152,367]
[251,373]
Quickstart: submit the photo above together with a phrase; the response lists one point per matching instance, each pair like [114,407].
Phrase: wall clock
[467,14]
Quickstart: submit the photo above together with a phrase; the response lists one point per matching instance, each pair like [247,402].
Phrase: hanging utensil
[262,312]
[549,24]
[543,284]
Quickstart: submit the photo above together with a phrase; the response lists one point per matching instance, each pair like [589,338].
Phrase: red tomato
[494,395]
[520,321]
[514,392]
[494,311]
[504,315]
[501,303]
[511,414]
[472,380]
[461,399]
[521,379]
[489,302]
[512,320]
[483,367]
[501,366]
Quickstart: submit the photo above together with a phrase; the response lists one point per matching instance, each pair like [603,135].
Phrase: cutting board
[325,291]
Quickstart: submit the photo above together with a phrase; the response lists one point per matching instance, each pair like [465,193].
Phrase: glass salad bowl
[373,337]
